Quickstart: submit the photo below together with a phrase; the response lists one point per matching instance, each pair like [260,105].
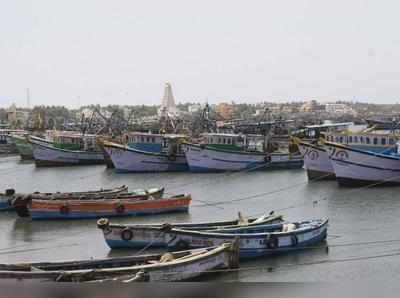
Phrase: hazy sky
[122,52]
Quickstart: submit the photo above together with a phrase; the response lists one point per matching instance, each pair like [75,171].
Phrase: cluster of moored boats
[191,249]
[147,152]
[354,158]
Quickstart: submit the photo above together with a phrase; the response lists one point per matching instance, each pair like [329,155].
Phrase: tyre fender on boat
[103,223]
[267,158]
[272,241]
[126,234]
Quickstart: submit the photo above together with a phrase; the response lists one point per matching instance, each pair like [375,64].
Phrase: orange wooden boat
[64,209]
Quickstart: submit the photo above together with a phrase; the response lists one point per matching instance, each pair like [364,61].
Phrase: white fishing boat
[67,149]
[234,152]
[316,161]
[316,156]
[148,153]
[355,167]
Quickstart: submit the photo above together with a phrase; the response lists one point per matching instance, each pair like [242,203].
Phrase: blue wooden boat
[6,200]
[255,241]
[146,235]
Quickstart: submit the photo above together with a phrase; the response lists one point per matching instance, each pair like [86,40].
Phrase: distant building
[225,110]
[312,106]
[168,105]
[17,117]
[194,108]
[338,108]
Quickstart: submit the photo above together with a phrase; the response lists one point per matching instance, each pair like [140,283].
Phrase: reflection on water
[355,216]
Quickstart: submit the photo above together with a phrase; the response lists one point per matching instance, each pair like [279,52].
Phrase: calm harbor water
[356,216]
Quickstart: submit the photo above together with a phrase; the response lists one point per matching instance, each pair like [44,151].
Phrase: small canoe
[173,266]
[20,201]
[146,235]
[73,209]
[255,241]
[6,200]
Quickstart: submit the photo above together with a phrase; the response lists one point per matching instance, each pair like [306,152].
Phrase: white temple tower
[168,102]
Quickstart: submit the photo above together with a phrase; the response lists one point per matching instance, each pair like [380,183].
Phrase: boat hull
[155,236]
[131,160]
[48,156]
[317,162]
[251,245]
[354,167]
[24,148]
[207,159]
[75,209]
[181,266]
[203,159]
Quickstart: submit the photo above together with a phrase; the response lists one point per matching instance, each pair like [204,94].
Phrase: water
[356,215]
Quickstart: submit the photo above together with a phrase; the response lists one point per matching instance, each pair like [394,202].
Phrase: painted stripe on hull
[36,214]
[113,244]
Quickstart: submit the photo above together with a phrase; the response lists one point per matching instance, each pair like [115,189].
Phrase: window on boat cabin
[375,141]
[355,139]
[391,141]
[383,141]
[148,139]
[341,139]
[142,139]
[153,139]
[224,140]
[350,139]
[337,139]
[219,141]
[362,140]
[229,141]
[367,141]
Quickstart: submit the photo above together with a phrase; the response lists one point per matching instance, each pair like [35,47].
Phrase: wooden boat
[23,146]
[233,152]
[254,241]
[173,266]
[355,167]
[6,200]
[145,235]
[20,201]
[148,153]
[124,206]
[316,161]
[7,145]
[67,149]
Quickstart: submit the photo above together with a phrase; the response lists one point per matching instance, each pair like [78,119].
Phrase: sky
[78,52]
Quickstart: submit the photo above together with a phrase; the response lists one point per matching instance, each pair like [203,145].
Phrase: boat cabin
[376,142]
[235,142]
[317,131]
[74,141]
[155,143]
